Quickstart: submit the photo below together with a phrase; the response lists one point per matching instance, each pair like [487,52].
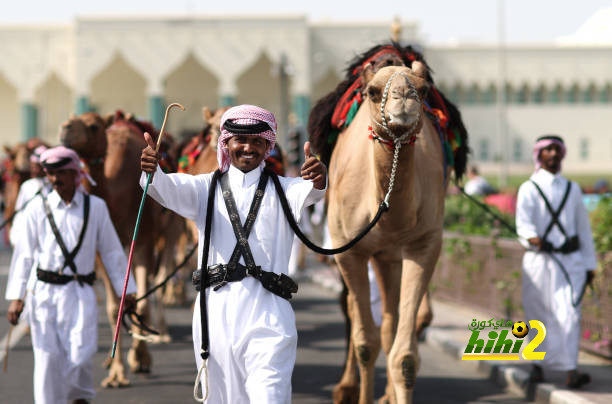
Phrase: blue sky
[442,21]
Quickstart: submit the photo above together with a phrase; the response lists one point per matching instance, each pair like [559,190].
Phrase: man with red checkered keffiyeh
[251,324]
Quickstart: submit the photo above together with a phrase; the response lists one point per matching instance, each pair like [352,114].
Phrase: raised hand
[313,169]
[149,158]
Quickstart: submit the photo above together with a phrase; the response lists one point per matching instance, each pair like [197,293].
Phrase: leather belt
[60,279]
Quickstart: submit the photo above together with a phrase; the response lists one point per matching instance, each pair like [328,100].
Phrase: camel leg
[388,271]
[364,335]
[347,390]
[424,315]
[417,268]
[174,291]
[116,368]
[167,265]
[139,357]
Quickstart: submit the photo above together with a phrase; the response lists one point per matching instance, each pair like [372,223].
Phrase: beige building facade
[286,63]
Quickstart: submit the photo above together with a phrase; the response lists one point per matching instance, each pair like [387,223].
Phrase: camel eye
[374,93]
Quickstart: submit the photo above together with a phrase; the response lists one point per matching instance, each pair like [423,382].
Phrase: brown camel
[15,171]
[111,150]
[405,244]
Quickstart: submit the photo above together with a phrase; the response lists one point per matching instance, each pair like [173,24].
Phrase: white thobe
[63,318]
[253,337]
[547,296]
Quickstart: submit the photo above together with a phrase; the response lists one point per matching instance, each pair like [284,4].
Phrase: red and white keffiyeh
[245,115]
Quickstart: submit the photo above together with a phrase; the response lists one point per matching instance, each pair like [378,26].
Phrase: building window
[473,94]
[604,95]
[590,94]
[539,95]
[573,95]
[517,150]
[556,95]
[483,154]
[489,96]
[522,95]
[584,149]
[509,94]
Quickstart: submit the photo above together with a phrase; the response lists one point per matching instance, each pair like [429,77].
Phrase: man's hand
[129,304]
[313,169]
[149,158]
[14,311]
[535,241]
[590,276]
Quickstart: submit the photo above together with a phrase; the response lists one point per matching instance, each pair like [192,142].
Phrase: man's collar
[55,200]
[245,179]
[547,177]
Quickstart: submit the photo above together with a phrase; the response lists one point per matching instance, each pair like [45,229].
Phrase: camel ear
[367,74]
[206,114]
[72,116]
[418,68]
[7,150]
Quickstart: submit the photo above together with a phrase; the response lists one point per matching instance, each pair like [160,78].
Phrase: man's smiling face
[247,151]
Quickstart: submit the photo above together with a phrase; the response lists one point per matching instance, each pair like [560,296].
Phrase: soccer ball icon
[520,329]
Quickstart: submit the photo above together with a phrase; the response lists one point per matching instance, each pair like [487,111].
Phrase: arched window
[522,95]
[483,150]
[556,95]
[509,94]
[539,94]
[456,94]
[472,96]
[489,96]
[589,94]
[517,149]
[605,95]
[573,95]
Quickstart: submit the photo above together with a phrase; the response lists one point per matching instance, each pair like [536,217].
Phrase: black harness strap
[68,256]
[554,213]
[242,233]
[205,346]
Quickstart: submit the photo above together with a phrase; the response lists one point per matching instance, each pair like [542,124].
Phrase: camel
[334,112]
[111,149]
[405,244]
[16,171]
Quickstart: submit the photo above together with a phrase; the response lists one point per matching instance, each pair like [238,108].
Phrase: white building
[141,65]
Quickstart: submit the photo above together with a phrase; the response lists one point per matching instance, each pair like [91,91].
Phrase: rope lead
[203,367]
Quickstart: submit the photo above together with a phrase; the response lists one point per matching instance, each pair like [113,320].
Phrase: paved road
[320,357]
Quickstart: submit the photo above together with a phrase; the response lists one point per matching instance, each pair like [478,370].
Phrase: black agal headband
[250,129]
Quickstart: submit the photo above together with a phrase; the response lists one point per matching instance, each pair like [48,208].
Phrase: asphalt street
[320,357]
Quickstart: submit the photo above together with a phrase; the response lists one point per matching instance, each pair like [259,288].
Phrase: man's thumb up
[149,140]
[306,151]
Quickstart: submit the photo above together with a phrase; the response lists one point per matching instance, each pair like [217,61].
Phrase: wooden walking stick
[6,349]
[142,201]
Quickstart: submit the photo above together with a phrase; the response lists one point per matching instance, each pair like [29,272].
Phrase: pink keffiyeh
[61,157]
[245,115]
[542,143]
[35,156]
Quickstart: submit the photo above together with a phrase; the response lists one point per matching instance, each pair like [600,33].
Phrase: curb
[507,376]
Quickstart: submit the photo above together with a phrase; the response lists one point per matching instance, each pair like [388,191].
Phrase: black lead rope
[12,216]
[513,230]
[294,226]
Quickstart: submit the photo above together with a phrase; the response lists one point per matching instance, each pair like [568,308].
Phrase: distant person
[477,185]
[62,231]
[560,261]
[602,186]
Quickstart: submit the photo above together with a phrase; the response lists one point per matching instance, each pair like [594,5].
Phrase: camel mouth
[403,130]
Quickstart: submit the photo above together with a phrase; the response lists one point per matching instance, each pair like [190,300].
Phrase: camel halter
[398,141]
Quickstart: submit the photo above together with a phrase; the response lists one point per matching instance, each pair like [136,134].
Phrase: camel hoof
[384,400]
[114,381]
[344,394]
[107,362]
[139,360]
[161,339]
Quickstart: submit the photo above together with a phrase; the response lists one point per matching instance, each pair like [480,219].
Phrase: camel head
[399,92]
[85,134]
[212,122]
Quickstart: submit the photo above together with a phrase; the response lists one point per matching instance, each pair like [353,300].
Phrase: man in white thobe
[253,337]
[560,260]
[63,309]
